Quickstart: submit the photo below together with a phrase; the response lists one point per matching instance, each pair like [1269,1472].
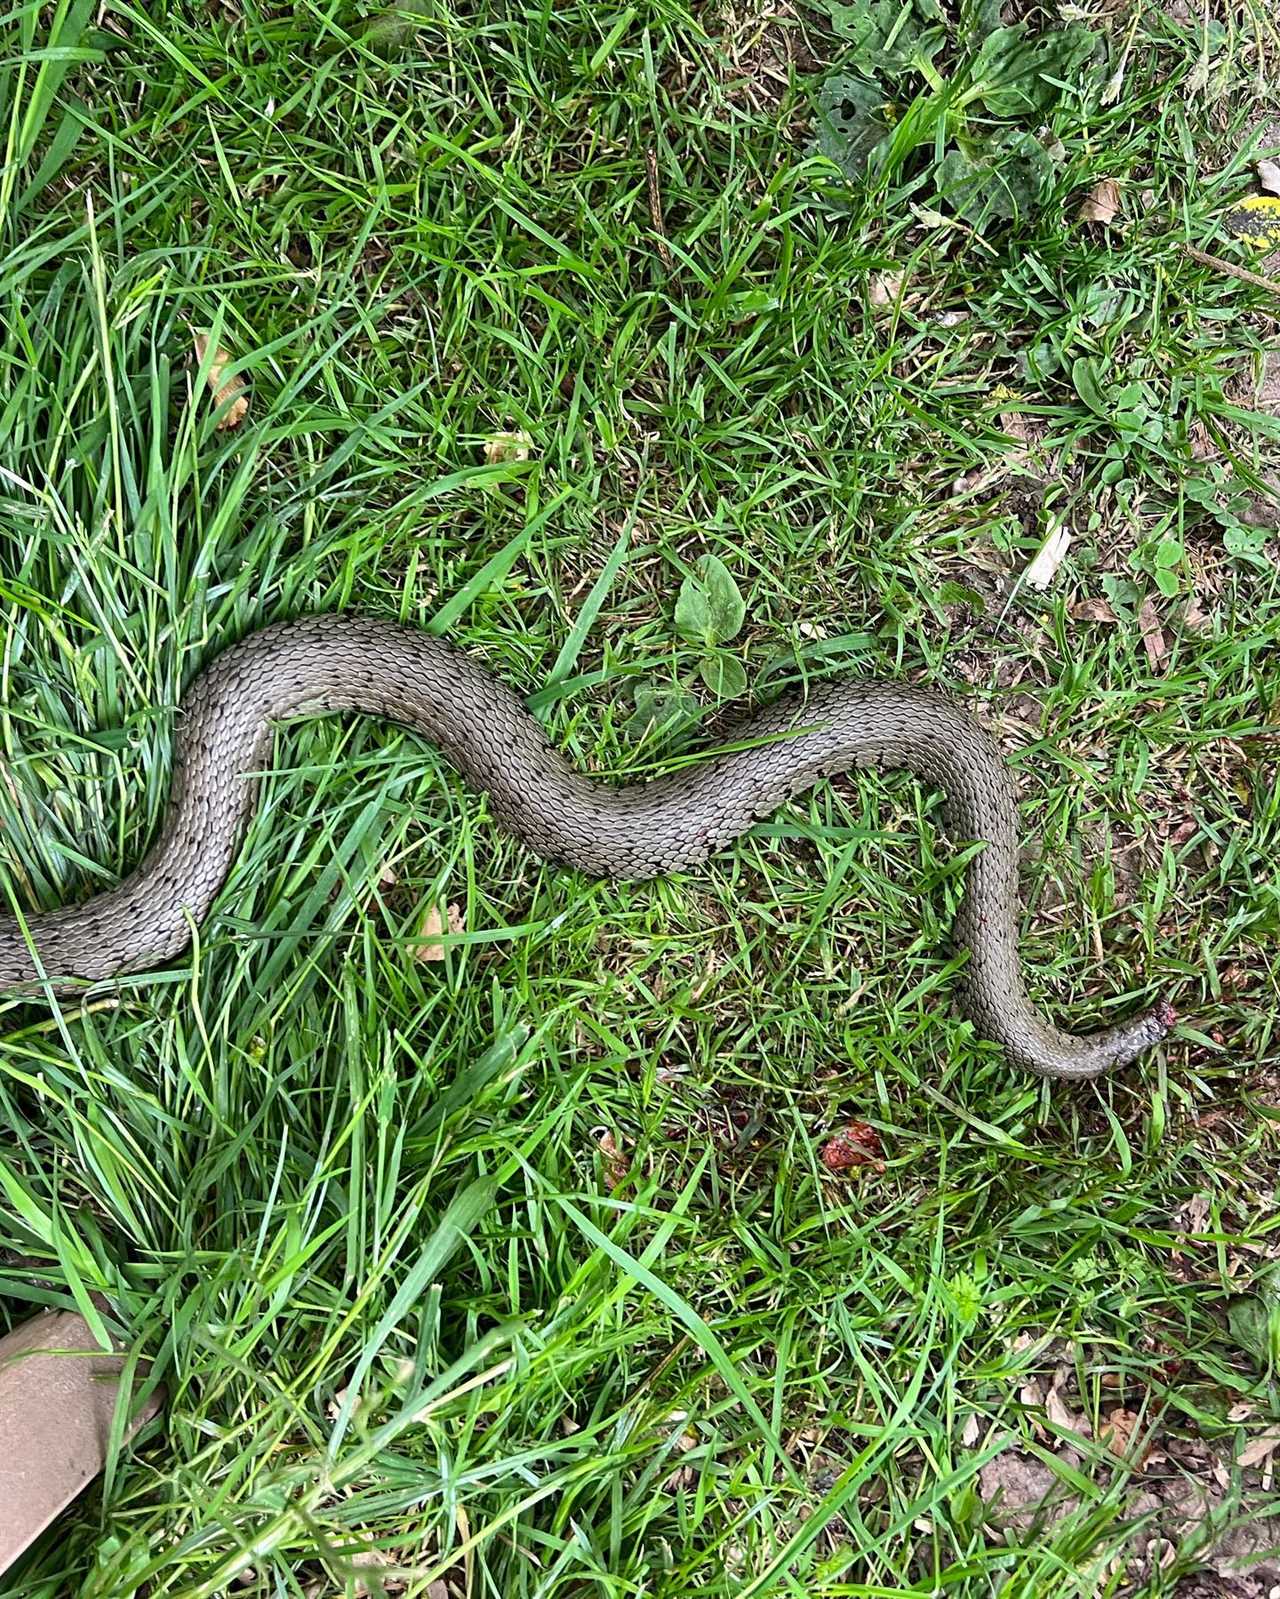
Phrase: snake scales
[351,663]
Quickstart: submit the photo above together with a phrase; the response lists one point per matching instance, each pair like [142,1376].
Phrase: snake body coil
[339,663]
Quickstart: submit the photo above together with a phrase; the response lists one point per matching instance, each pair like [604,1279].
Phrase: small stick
[1231,269]
[655,208]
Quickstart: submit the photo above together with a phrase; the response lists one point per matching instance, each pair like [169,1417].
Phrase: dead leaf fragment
[1268,176]
[1262,1448]
[507,447]
[1093,609]
[375,1560]
[223,388]
[1153,639]
[1061,1414]
[616,1165]
[1102,203]
[1118,1431]
[433,925]
[856,1144]
[1194,617]
[884,287]
[1042,570]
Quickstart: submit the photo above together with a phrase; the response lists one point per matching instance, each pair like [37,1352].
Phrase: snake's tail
[1078,1057]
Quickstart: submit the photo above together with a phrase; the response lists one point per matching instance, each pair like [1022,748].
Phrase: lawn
[479,1218]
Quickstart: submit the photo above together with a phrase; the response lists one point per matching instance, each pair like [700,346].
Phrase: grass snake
[351,663]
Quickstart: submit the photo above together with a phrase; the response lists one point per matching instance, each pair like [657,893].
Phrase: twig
[655,208]
[1231,269]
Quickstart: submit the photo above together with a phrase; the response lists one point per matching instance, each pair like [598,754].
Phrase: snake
[327,663]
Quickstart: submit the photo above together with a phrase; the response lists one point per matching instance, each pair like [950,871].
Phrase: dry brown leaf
[433,925]
[971,1431]
[682,1476]
[1042,570]
[1061,1414]
[884,287]
[1103,203]
[1031,1394]
[375,1560]
[1118,1432]
[507,447]
[1269,176]
[1153,639]
[1094,609]
[1014,424]
[1262,1448]
[1194,617]
[223,388]
[616,1165]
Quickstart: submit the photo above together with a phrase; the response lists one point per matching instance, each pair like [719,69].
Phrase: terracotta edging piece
[58,1394]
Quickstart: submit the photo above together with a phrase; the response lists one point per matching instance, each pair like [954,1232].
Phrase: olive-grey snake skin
[352,663]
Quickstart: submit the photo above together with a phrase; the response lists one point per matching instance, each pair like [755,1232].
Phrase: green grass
[352,1205]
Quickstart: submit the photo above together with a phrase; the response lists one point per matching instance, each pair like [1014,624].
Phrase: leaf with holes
[660,711]
[999,183]
[887,35]
[1020,74]
[851,122]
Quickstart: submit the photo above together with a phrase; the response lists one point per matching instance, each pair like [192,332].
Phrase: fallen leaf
[1118,1432]
[682,1476]
[616,1165]
[1014,424]
[1153,639]
[507,447]
[1194,617]
[1094,609]
[1102,203]
[885,287]
[223,388]
[971,1431]
[1061,1414]
[375,1560]
[1016,1488]
[1269,176]
[1049,558]
[433,925]
[857,1144]
[1262,1448]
